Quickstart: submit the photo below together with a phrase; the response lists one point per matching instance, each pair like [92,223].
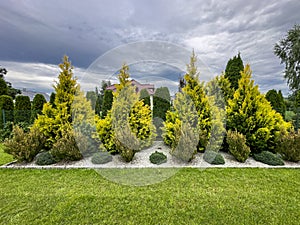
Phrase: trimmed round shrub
[237,145]
[45,158]
[158,158]
[268,158]
[289,147]
[214,158]
[101,158]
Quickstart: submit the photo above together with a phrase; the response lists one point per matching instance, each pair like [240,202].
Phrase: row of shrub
[22,112]
[195,123]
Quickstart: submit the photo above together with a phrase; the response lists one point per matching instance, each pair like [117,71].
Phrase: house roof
[150,87]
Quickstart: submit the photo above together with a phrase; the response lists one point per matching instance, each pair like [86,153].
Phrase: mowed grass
[191,196]
[4,157]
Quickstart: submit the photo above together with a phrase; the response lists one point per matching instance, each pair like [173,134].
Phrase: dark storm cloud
[43,31]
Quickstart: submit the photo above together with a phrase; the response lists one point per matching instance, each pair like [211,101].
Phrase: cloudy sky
[35,34]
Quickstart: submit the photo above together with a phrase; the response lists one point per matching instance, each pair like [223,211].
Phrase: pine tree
[250,113]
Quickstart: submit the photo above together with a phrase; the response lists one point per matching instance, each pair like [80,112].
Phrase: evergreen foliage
[107,102]
[6,110]
[237,145]
[158,158]
[3,87]
[180,129]
[161,102]
[92,97]
[214,158]
[37,106]
[233,70]
[128,126]
[24,146]
[277,101]
[289,146]
[101,158]
[45,158]
[22,109]
[268,158]
[251,114]
[57,119]
[52,99]
[195,90]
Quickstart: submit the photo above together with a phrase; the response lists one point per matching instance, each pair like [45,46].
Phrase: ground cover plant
[192,196]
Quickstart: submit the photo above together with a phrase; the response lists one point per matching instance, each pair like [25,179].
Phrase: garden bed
[141,160]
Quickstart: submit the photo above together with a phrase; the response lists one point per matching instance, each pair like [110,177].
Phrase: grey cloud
[43,31]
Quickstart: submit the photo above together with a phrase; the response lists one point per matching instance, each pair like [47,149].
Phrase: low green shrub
[214,158]
[158,158]
[289,147]
[45,158]
[237,145]
[268,158]
[66,147]
[101,158]
[25,146]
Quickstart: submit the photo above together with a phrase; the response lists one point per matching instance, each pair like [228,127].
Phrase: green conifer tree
[250,113]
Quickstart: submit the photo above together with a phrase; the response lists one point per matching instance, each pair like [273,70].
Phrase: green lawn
[4,157]
[191,196]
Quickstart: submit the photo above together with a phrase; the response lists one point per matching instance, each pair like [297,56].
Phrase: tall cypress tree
[233,70]
[22,109]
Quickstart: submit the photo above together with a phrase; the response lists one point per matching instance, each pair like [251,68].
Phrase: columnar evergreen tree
[161,102]
[83,121]
[107,102]
[92,97]
[233,69]
[250,113]
[144,94]
[37,106]
[22,109]
[195,90]
[277,101]
[128,126]
[100,95]
[54,121]
[6,110]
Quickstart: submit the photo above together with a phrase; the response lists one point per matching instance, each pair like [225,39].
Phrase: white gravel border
[141,160]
